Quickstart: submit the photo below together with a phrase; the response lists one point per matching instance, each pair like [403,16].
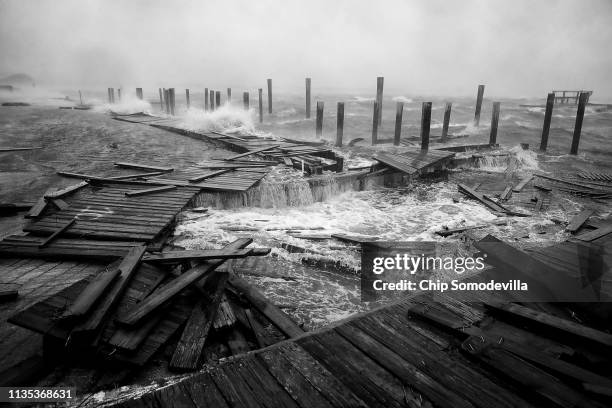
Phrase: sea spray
[129,104]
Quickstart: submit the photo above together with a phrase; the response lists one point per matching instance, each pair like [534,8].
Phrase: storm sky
[445,48]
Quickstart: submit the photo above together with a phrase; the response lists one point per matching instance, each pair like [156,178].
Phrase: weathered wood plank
[136,193]
[208,175]
[263,149]
[189,348]
[138,166]
[66,190]
[199,255]
[522,183]
[55,234]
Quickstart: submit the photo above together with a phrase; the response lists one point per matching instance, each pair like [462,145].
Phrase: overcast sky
[517,48]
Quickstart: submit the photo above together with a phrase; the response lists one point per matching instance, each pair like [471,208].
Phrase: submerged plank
[139,166]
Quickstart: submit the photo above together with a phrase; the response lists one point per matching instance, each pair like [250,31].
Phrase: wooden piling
[229,96]
[319,122]
[108,94]
[550,103]
[425,125]
[380,81]
[112,95]
[211,97]
[80,98]
[119,94]
[375,123]
[172,101]
[582,101]
[494,122]
[478,104]
[188,102]
[167,99]
[399,113]
[161,100]
[205,99]
[308,82]
[139,93]
[245,100]
[340,124]
[260,105]
[269,96]
[445,124]
[217,99]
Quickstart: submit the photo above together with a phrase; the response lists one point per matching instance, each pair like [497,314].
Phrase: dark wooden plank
[187,354]
[260,380]
[265,307]
[135,193]
[236,392]
[263,149]
[60,204]
[158,298]
[208,175]
[23,372]
[448,232]
[138,166]
[506,193]
[66,190]
[263,340]
[37,209]
[225,317]
[395,162]
[595,234]
[198,255]
[521,184]
[56,233]
[204,392]
[479,197]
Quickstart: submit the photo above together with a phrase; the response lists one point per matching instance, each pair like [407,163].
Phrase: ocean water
[321,283]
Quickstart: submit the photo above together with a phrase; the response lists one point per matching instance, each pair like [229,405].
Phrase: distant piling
[260,91]
[308,82]
[217,99]
[119,94]
[172,101]
[245,100]
[425,125]
[108,95]
[205,99]
[380,81]
[111,95]
[139,93]
[375,112]
[582,101]
[161,100]
[211,97]
[229,96]
[340,124]
[80,97]
[269,96]
[446,123]
[187,101]
[319,121]
[167,99]
[494,122]
[550,103]
[478,104]
[399,113]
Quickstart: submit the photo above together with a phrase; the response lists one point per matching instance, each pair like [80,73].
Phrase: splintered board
[239,179]
[105,212]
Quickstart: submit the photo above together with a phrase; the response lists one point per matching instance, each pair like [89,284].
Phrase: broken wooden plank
[522,183]
[189,348]
[62,229]
[37,209]
[17,149]
[138,166]
[136,193]
[479,197]
[579,219]
[101,282]
[142,175]
[395,161]
[263,149]
[506,193]
[67,190]
[265,307]
[552,321]
[209,175]
[448,232]
[202,255]
[159,297]
[225,317]
[260,335]
[60,204]
[593,235]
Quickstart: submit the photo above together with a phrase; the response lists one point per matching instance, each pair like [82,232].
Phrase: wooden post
[211,96]
[112,94]
[582,101]
[425,125]
[217,99]
[447,115]
[172,101]
[161,100]
[80,98]
[167,100]
[340,124]
[245,100]
[269,96]
[205,99]
[375,124]
[319,123]
[550,103]
[260,105]
[139,93]
[308,81]
[380,81]
[187,98]
[399,113]
[108,94]
[478,104]
[229,96]
[119,94]
[494,121]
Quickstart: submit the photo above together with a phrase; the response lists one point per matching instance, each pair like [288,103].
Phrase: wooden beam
[189,348]
[37,209]
[62,229]
[263,149]
[399,113]
[154,190]
[445,125]
[448,232]
[550,103]
[159,297]
[259,301]
[67,190]
[522,183]
[479,98]
[209,175]
[340,124]
[138,166]
[593,235]
[204,254]
[579,219]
